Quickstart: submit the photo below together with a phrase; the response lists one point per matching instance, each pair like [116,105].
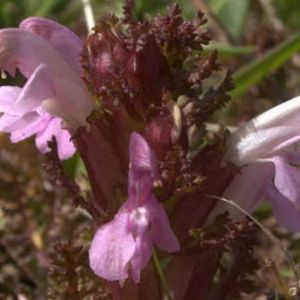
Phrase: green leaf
[265,65]
[229,50]
[45,8]
[150,7]
[231,13]
[188,10]
[5,9]
[74,166]
[153,7]
[288,11]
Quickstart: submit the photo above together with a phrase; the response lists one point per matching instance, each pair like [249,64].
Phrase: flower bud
[147,70]
[107,54]
[164,130]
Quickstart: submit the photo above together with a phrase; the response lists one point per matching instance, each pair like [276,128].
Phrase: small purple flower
[125,244]
[267,151]
[54,96]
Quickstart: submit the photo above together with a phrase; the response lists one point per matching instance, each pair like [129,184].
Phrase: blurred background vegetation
[257,39]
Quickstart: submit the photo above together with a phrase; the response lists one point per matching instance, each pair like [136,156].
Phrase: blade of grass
[45,9]
[229,50]
[231,14]
[263,66]
[74,166]
[161,276]
[88,14]
[5,17]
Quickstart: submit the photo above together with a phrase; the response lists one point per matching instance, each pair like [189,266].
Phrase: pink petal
[7,121]
[142,170]
[22,122]
[287,194]
[287,179]
[19,118]
[267,134]
[21,127]
[292,154]
[65,146]
[139,188]
[28,125]
[141,155]
[8,96]
[72,103]
[287,213]
[59,37]
[142,254]
[247,190]
[112,248]
[161,231]
[25,50]
[38,88]
[139,224]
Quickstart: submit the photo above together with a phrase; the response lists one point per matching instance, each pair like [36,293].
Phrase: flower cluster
[127,100]
[267,151]
[48,55]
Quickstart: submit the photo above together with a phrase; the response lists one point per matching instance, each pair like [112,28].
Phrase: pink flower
[48,55]
[125,244]
[267,151]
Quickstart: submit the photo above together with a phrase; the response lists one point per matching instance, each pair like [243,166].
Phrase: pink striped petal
[266,134]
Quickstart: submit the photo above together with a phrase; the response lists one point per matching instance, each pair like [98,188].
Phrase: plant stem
[88,14]
[162,276]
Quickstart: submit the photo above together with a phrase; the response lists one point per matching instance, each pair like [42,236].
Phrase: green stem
[162,276]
